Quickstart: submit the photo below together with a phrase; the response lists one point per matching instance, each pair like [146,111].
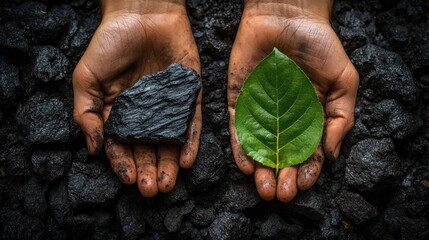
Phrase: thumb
[339,109]
[88,107]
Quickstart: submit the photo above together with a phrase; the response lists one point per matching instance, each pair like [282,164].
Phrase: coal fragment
[10,87]
[51,164]
[406,214]
[228,226]
[43,23]
[97,226]
[154,217]
[353,32]
[276,228]
[50,64]
[45,119]
[157,108]
[385,73]
[15,151]
[174,216]
[240,196]
[92,184]
[202,216]
[17,225]
[356,208]
[34,195]
[308,204]
[59,203]
[12,37]
[129,212]
[210,165]
[373,165]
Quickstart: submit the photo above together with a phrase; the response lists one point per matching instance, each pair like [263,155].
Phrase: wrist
[320,9]
[142,6]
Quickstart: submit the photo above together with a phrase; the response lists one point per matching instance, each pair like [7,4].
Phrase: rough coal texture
[91,184]
[355,208]
[129,211]
[230,226]
[51,164]
[10,86]
[45,119]
[157,108]
[308,204]
[174,216]
[50,64]
[210,166]
[51,189]
[385,73]
[373,165]
[274,227]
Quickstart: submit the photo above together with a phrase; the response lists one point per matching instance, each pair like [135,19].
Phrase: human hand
[300,29]
[135,38]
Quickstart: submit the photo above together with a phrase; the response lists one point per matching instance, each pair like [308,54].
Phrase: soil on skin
[51,189]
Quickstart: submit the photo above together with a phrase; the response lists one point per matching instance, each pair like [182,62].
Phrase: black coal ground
[50,188]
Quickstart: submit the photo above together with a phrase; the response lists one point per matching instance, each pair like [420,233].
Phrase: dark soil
[51,189]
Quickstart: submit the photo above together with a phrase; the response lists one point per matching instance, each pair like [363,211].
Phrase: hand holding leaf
[300,29]
[278,117]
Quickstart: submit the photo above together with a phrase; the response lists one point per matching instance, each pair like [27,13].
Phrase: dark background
[50,188]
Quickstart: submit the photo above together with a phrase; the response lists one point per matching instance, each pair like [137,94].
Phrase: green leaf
[279,119]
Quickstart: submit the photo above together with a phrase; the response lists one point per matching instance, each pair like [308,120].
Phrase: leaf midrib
[277,123]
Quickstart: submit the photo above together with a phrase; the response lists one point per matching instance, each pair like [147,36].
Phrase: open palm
[311,42]
[126,46]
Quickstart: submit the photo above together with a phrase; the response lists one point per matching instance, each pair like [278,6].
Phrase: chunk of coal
[385,73]
[34,195]
[210,166]
[202,216]
[59,203]
[92,184]
[15,151]
[51,164]
[230,226]
[45,119]
[12,37]
[50,64]
[373,165]
[157,108]
[308,204]
[276,228]
[240,196]
[356,208]
[129,212]
[407,212]
[174,217]
[10,87]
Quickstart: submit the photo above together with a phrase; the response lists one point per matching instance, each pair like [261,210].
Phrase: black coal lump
[157,108]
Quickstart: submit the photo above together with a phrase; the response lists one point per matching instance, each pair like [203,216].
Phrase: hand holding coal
[157,108]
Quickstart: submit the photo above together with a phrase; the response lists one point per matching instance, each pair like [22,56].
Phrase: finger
[144,155]
[236,78]
[168,167]
[121,159]
[309,171]
[244,162]
[242,62]
[88,106]
[339,110]
[189,150]
[265,182]
[286,184]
